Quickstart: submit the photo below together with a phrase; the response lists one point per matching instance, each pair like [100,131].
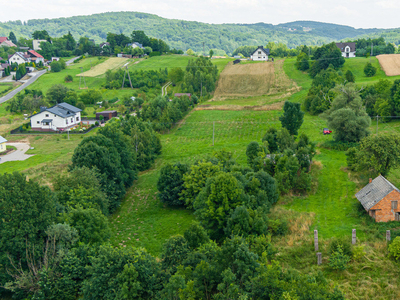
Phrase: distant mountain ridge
[190,34]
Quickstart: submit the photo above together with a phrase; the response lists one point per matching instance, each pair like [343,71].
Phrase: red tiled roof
[34,53]
[3,38]
[9,43]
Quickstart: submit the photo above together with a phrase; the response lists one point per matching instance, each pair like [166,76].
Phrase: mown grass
[172,61]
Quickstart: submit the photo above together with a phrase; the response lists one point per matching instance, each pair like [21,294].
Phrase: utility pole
[80,79]
[377,124]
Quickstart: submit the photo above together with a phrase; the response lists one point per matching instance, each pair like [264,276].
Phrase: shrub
[278,227]
[358,252]
[68,78]
[394,248]
[369,70]
[338,260]
[337,243]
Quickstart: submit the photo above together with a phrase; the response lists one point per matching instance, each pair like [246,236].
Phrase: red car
[327,131]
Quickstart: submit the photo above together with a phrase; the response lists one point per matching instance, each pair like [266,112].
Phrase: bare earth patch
[253,80]
[274,106]
[390,63]
[109,64]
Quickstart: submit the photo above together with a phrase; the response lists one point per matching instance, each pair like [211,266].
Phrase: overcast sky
[355,13]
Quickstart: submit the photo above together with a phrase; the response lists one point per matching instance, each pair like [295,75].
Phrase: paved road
[29,82]
[20,88]
[18,154]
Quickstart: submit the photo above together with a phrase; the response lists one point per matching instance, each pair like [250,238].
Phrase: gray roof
[2,140]
[69,107]
[47,120]
[63,110]
[266,51]
[374,192]
[342,46]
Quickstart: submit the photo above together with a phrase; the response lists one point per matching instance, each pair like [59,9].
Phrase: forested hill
[188,34]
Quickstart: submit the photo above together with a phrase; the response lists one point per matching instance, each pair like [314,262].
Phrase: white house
[59,117]
[19,58]
[3,142]
[5,42]
[36,44]
[347,49]
[260,54]
[35,57]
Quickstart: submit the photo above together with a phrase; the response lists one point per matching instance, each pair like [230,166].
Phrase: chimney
[370,180]
[42,108]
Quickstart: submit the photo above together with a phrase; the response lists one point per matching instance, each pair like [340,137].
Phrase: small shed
[380,199]
[107,114]
[183,94]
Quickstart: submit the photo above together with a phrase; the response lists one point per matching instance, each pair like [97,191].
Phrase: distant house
[36,44]
[55,59]
[19,58]
[5,42]
[347,49]
[107,114]
[102,45]
[35,57]
[380,198]
[260,54]
[183,94]
[3,142]
[61,116]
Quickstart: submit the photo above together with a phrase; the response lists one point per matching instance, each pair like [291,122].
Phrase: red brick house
[380,198]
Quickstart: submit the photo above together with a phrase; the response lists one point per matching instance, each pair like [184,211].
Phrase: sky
[355,13]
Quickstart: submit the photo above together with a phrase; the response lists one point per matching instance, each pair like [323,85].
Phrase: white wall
[351,54]
[16,59]
[259,57]
[58,122]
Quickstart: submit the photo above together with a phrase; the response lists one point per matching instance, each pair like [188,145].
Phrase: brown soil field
[390,63]
[252,80]
[109,64]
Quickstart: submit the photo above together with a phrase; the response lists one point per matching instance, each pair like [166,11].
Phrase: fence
[20,131]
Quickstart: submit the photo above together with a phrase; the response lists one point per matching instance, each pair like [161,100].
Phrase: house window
[66,121]
[394,204]
[37,122]
[259,52]
[77,118]
[47,115]
[72,120]
[55,116]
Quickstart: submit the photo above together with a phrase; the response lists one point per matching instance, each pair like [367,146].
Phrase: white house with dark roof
[3,142]
[347,49]
[260,54]
[61,116]
[19,58]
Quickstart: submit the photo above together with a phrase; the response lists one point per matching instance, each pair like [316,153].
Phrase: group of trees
[379,46]
[200,76]
[164,113]
[144,80]
[382,99]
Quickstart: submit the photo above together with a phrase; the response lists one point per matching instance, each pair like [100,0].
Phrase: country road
[29,82]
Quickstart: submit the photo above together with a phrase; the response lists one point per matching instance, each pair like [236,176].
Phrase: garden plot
[110,64]
[390,63]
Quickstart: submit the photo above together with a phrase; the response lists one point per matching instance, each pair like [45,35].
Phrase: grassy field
[172,61]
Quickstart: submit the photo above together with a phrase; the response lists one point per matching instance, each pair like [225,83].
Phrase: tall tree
[292,117]
[12,37]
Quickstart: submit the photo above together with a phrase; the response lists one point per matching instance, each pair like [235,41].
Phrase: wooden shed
[107,114]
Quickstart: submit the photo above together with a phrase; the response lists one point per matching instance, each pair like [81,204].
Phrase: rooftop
[2,140]
[374,192]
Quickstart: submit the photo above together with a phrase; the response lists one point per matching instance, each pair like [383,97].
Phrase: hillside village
[133,170]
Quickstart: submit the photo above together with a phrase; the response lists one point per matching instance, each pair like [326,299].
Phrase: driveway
[25,85]
[18,154]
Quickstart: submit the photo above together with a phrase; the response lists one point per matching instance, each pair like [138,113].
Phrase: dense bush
[369,70]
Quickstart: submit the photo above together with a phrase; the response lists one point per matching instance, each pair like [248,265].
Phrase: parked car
[327,131]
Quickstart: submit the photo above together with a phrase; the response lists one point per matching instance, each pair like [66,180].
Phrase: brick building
[380,198]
